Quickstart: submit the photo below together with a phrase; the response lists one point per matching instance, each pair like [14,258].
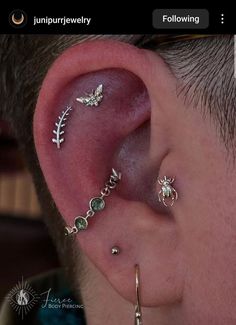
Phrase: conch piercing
[167,191]
[137,310]
[92,99]
[58,139]
[96,204]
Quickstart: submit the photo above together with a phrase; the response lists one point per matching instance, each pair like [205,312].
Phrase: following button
[180,18]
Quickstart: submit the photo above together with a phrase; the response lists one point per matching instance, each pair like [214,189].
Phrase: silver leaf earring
[167,191]
[92,99]
[96,204]
[58,139]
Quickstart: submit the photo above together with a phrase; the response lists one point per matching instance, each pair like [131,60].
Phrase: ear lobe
[116,133]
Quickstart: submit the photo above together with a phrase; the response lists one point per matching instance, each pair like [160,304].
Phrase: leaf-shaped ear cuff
[58,132]
[96,204]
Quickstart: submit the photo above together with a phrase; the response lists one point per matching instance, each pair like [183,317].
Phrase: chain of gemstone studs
[96,204]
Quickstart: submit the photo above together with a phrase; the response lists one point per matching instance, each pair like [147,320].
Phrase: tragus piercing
[58,139]
[96,204]
[92,99]
[167,191]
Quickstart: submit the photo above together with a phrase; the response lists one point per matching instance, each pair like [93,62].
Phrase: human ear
[126,131]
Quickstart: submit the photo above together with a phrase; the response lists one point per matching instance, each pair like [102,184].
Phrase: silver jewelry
[115,250]
[59,126]
[167,191]
[137,310]
[92,99]
[96,204]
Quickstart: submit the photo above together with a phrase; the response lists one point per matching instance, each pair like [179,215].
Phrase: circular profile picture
[18,18]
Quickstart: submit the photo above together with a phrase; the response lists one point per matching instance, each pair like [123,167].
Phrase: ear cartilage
[167,191]
[92,99]
[96,204]
[59,138]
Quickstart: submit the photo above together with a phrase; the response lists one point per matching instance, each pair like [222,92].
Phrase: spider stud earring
[167,194]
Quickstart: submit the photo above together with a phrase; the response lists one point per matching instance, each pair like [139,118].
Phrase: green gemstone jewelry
[96,204]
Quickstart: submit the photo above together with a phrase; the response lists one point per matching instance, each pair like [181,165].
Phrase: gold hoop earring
[137,310]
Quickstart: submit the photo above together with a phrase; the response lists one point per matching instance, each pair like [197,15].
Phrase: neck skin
[103,305]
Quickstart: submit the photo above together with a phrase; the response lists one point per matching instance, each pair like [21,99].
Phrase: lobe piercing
[115,250]
[96,204]
[167,191]
[138,311]
[59,126]
[92,99]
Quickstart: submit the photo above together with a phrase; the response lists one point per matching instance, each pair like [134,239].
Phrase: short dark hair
[205,70]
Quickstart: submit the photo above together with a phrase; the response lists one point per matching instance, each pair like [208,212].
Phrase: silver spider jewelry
[167,191]
[92,99]
[58,139]
[96,204]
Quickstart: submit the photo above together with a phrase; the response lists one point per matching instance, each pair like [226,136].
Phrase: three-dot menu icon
[222,18]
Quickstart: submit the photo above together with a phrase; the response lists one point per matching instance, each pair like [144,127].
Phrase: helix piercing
[92,99]
[59,126]
[167,191]
[115,250]
[96,204]
[137,310]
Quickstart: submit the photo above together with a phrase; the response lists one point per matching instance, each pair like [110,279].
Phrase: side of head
[170,113]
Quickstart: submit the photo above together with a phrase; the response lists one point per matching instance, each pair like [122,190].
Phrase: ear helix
[93,98]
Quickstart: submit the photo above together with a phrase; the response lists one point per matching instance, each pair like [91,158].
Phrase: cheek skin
[205,214]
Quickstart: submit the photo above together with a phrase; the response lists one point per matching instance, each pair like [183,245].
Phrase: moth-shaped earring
[167,191]
[58,139]
[92,99]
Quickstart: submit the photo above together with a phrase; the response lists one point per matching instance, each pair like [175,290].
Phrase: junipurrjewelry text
[96,204]
[168,194]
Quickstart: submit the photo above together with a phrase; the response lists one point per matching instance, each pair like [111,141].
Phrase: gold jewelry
[138,312]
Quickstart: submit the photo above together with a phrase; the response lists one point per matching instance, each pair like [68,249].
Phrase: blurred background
[25,246]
